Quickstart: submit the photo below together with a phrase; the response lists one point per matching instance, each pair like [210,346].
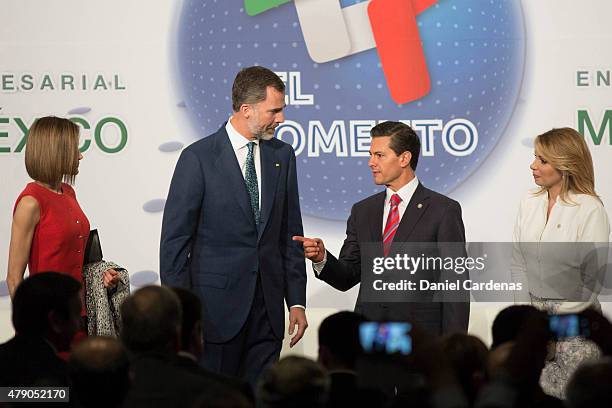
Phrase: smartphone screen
[568,325]
[385,338]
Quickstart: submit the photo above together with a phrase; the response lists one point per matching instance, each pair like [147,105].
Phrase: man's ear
[324,356]
[56,322]
[246,110]
[59,332]
[406,158]
[197,336]
[175,343]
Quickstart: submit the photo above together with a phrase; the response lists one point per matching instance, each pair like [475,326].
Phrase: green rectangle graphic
[254,7]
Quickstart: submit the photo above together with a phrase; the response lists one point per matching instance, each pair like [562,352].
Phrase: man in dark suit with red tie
[412,215]
[231,211]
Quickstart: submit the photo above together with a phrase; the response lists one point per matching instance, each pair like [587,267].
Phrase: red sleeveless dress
[60,237]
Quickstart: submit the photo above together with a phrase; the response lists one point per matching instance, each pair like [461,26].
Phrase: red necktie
[393,220]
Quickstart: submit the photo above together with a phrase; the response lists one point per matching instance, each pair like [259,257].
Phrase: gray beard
[265,136]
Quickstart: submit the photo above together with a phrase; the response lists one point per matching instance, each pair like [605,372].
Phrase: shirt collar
[236,139]
[405,192]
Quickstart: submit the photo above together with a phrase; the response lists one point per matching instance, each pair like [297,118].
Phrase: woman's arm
[25,219]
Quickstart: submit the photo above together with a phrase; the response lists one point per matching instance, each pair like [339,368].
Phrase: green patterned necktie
[250,176]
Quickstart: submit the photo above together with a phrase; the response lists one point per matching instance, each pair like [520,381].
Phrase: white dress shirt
[549,255]
[405,192]
[240,146]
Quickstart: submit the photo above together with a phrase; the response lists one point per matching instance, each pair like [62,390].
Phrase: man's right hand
[313,248]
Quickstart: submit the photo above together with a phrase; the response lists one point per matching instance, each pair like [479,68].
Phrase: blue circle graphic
[475,56]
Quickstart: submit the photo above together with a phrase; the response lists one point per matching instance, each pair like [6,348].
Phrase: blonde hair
[52,150]
[566,150]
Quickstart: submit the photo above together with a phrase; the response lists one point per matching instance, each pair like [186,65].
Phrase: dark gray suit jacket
[429,218]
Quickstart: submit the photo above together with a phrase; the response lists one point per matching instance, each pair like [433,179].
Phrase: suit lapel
[416,208]
[227,164]
[270,168]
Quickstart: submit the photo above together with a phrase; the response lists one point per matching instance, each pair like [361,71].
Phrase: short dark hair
[293,381]
[99,371]
[339,333]
[589,386]
[192,313]
[467,356]
[40,294]
[251,85]
[151,319]
[403,139]
[507,324]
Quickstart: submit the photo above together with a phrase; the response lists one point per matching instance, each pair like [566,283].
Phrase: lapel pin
[276,164]
[419,205]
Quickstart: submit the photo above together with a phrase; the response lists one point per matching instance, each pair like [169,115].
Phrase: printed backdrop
[478,82]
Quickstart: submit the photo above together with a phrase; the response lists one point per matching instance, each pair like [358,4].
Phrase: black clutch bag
[93,250]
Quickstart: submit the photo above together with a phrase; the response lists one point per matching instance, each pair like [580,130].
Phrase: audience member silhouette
[295,382]
[508,322]
[152,333]
[591,385]
[192,346]
[339,350]
[468,358]
[46,316]
[99,373]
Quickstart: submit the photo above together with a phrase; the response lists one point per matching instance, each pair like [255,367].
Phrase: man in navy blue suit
[231,211]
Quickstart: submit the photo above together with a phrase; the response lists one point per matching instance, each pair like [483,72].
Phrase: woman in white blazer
[560,244]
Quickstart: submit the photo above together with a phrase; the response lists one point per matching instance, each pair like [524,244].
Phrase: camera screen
[386,338]
[563,326]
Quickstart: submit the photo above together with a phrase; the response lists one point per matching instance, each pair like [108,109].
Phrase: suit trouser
[253,349]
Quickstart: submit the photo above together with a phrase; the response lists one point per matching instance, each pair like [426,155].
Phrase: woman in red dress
[49,230]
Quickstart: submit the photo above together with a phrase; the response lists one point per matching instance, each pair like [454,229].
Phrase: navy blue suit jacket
[211,245]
